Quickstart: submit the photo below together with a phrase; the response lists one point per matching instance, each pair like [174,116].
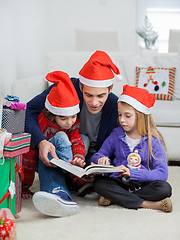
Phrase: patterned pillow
[158,81]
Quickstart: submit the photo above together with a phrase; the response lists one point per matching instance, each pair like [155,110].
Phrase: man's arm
[34,107]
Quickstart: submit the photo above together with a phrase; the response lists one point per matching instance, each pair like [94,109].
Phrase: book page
[78,171]
[98,168]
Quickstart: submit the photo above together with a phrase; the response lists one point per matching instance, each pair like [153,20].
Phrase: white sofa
[166,113]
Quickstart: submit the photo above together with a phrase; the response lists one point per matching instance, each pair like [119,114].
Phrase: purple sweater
[116,148]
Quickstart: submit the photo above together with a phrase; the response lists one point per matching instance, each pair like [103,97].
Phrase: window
[164,15]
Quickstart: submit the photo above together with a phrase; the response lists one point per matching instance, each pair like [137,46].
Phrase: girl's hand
[126,170]
[77,161]
[103,161]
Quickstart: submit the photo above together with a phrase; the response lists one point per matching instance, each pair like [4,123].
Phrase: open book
[82,172]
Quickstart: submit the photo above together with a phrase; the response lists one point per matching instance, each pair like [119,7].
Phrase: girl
[137,134]
[59,125]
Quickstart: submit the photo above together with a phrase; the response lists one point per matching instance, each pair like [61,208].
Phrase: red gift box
[7,225]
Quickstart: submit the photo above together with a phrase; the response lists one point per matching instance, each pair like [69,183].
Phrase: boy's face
[95,97]
[66,122]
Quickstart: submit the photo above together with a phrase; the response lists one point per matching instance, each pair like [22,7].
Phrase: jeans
[54,178]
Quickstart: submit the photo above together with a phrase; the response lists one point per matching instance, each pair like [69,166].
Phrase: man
[98,116]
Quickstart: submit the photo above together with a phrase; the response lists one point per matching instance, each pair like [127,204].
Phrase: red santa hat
[138,98]
[62,99]
[99,71]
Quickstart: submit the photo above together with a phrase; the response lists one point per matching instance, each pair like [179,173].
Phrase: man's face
[95,97]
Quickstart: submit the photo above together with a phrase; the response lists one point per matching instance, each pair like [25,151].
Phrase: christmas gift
[13,115]
[13,150]
[7,225]
[7,189]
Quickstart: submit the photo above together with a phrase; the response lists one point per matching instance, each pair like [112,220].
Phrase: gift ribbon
[20,170]
[5,196]
[6,226]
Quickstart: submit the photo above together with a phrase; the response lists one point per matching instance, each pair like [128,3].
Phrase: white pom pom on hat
[99,71]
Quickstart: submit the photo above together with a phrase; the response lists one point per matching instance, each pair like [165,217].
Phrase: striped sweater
[49,128]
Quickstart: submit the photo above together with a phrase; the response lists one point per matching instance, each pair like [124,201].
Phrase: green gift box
[7,189]
[11,171]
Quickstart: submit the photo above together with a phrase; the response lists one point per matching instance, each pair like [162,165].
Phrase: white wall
[30,28]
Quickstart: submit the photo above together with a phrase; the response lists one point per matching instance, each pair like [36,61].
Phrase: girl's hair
[146,126]
[50,116]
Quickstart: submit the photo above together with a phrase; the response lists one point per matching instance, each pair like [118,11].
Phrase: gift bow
[20,170]
[6,226]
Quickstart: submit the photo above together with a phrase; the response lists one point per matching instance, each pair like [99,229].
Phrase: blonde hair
[147,127]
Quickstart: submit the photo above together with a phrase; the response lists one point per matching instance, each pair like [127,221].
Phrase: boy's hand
[103,161]
[77,161]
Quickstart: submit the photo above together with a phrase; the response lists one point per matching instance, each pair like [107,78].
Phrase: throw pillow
[158,81]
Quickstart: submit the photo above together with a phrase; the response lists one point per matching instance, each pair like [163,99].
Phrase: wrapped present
[7,189]
[13,114]
[7,225]
[13,120]
[18,144]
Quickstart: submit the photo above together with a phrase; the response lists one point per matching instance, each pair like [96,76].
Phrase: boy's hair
[50,116]
[147,127]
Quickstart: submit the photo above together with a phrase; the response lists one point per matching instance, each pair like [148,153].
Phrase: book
[83,172]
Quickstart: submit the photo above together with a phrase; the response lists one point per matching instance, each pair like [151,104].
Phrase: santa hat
[99,71]
[138,98]
[62,99]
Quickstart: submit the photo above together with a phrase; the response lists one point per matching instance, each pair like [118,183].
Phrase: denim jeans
[49,177]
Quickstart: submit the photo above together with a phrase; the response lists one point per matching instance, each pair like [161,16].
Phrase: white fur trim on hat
[135,104]
[67,111]
[96,83]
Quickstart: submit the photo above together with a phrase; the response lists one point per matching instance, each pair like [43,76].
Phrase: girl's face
[127,117]
[66,121]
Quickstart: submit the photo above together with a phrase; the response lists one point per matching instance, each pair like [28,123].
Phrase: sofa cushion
[158,81]
[169,60]
[166,113]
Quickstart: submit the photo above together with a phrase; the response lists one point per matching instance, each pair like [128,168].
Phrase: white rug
[106,223]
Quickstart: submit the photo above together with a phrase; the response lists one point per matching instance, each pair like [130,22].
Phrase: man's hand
[77,161]
[44,148]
